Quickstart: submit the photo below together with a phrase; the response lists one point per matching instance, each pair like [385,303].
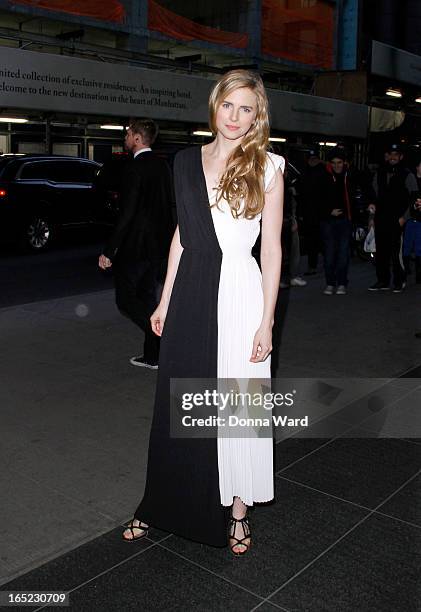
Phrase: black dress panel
[182,484]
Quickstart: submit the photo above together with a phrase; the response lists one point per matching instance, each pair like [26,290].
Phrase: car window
[37,170]
[3,164]
[10,168]
[59,171]
[68,172]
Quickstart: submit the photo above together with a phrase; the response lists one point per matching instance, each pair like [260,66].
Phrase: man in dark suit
[310,199]
[393,186]
[139,246]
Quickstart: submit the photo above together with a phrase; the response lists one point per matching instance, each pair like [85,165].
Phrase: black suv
[42,194]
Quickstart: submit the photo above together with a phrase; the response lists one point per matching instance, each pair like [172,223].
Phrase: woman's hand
[336,212]
[104,262]
[262,344]
[158,319]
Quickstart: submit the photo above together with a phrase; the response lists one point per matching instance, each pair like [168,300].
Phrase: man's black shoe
[142,363]
[399,288]
[379,287]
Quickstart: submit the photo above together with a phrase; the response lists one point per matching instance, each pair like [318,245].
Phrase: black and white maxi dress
[215,309]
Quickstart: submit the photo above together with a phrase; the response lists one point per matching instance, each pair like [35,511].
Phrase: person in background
[412,234]
[139,245]
[291,254]
[393,186]
[311,200]
[335,223]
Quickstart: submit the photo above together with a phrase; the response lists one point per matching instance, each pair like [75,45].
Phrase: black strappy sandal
[239,542]
[131,527]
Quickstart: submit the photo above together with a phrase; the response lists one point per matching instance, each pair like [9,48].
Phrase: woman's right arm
[173,260]
[158,317]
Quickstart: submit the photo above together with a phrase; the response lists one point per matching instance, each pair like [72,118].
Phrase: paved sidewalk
[75,426]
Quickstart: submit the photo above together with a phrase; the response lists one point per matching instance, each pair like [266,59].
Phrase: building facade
[71,67]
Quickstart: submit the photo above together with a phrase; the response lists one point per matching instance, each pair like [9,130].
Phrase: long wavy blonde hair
[243,179]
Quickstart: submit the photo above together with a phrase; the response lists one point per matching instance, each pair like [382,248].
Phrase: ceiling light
[112,127]
[418,100]
[331,144]
[276,139]
[13,120]
[202,133]
[393,93]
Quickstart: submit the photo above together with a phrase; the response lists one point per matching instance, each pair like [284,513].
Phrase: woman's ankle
[238,509]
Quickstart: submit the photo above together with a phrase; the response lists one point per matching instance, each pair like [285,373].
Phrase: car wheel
[38,233]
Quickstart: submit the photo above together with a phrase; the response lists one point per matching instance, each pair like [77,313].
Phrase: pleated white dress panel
[245,463]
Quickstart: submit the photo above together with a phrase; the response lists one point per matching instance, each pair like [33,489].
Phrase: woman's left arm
[270,261]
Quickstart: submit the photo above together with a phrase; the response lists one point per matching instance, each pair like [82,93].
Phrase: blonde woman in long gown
[215,319]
